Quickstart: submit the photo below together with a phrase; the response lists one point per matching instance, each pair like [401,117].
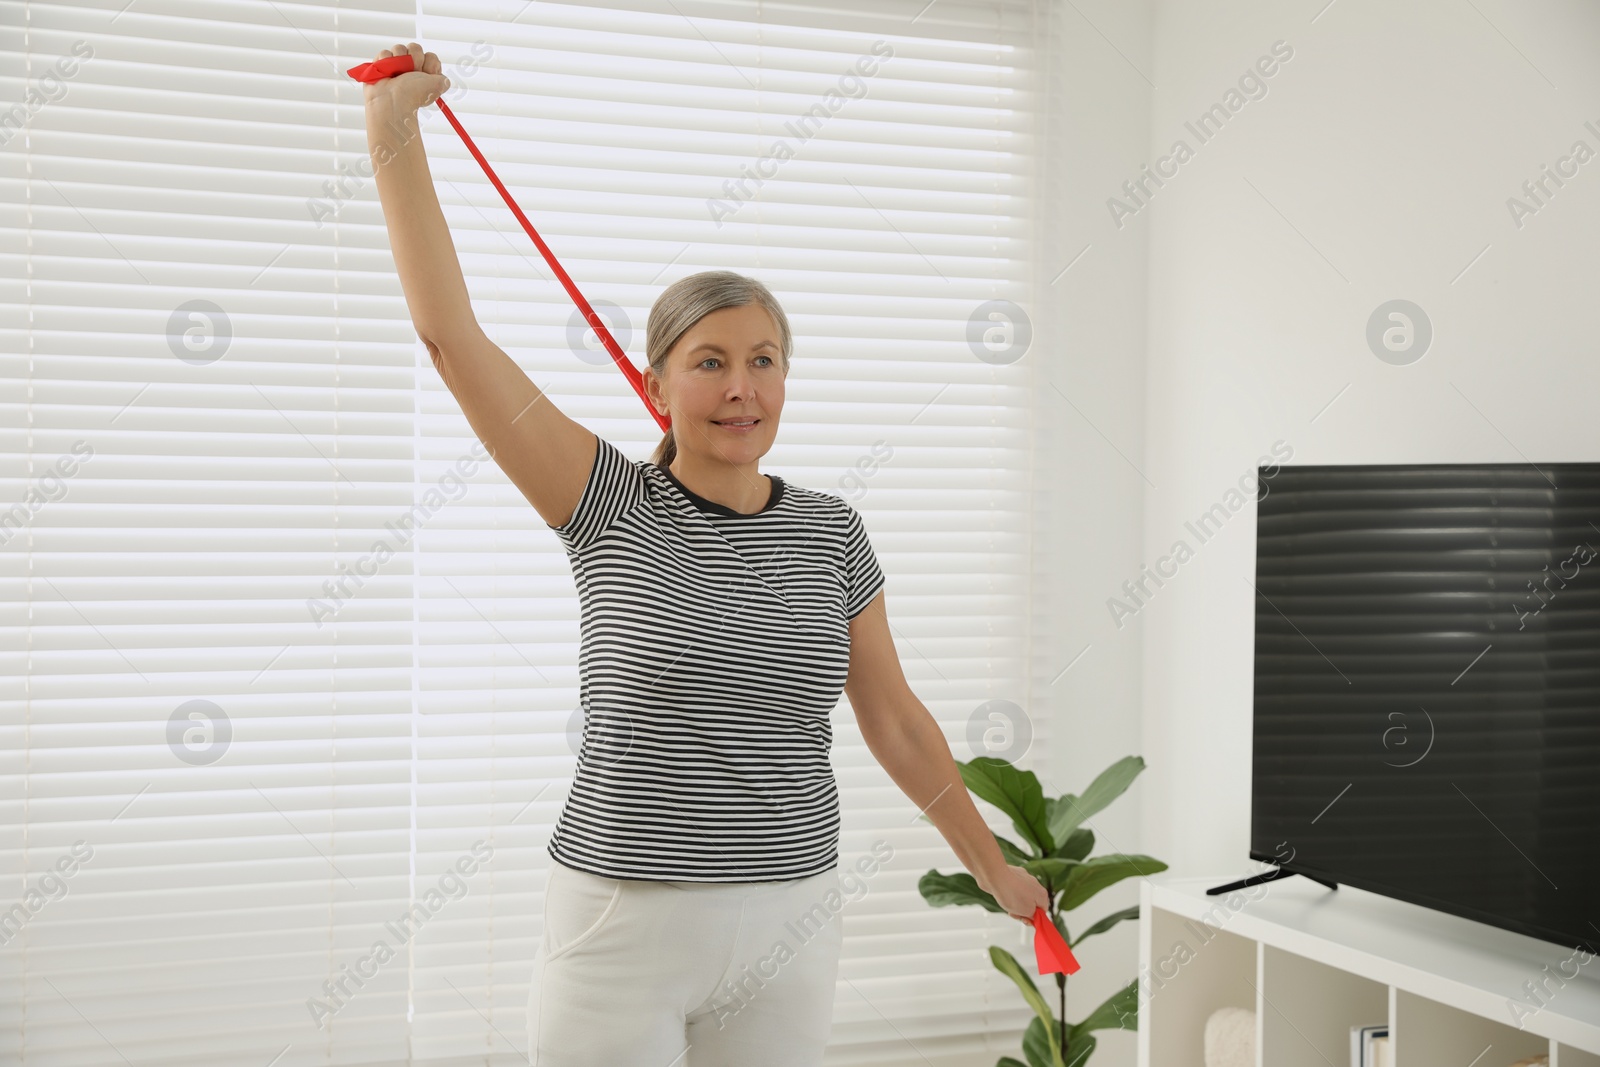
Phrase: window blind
[291,679]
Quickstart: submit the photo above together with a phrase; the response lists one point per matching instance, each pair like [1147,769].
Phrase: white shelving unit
[1313,962]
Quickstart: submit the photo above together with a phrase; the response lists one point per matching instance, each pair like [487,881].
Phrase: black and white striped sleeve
[863,576]
[615,486]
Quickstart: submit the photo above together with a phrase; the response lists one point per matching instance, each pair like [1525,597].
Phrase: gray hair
[688,300]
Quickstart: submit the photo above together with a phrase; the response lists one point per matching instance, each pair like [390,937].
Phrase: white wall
[1090,433]
[1378,166]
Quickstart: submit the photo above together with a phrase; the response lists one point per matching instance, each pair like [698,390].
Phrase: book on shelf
[1367,1044]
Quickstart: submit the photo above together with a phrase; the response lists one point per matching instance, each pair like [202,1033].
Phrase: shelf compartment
[1309,1007]
[1426,1033]
[1193,969]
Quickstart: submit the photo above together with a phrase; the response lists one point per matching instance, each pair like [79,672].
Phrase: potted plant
[1055,849]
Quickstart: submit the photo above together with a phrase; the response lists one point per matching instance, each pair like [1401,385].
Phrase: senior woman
[723,611]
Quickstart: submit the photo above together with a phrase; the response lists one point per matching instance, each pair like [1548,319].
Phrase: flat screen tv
[1427,687]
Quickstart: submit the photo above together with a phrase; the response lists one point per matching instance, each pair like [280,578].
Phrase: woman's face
[729,365]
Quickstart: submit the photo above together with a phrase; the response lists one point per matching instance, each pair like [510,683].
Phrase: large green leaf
[1052,872]
[1089,877]
[1119,1011]
[1007,964]
[1107,923]
[942,890]
[1062,816]
[1111,783]
[1068,811]
[1011,852]
[1079,1049]
[1008,1061]
[1036,1044]
[1017,793]
[1078,844]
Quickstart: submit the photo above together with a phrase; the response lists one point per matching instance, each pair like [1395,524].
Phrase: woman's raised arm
[545,454]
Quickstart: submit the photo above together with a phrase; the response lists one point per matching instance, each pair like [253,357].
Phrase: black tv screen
[1427,687]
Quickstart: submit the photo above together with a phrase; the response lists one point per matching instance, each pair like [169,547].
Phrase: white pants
[637,973]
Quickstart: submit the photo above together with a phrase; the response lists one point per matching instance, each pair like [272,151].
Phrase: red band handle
[380,69]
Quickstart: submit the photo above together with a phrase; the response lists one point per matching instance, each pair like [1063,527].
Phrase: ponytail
[666,451]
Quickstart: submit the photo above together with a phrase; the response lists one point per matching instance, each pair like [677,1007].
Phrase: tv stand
[1311,964]
[1267,876]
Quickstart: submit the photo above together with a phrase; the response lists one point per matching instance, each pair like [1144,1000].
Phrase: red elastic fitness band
[1049,948]
[403,64]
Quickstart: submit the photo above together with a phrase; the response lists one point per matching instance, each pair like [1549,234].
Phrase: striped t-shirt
[715,646]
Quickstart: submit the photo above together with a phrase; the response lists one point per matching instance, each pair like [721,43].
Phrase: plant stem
[1061,986]
[1061,983]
